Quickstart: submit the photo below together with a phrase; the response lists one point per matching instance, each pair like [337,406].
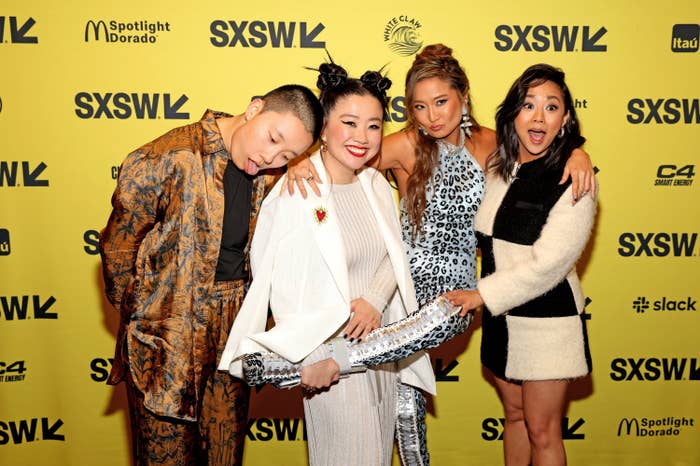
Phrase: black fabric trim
[494,343]
[526,206]
[557,302]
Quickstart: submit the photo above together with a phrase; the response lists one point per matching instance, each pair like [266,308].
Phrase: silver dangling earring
[466,121]
[562,131]
[422,131]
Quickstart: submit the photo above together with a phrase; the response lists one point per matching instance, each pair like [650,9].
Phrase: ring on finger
[310,177]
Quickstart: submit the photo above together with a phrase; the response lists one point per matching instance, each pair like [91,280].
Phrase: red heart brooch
[320,215]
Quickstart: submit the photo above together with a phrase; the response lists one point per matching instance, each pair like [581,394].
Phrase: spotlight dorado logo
[654,427]
[402,35]
[125,32]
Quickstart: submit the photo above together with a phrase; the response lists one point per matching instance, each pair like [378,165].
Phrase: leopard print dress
[442,257]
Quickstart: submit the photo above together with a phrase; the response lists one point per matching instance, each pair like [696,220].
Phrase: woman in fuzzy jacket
[530,234]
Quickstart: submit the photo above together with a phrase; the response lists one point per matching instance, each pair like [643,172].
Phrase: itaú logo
[121,32]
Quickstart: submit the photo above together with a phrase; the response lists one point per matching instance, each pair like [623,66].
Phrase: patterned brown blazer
[159,254]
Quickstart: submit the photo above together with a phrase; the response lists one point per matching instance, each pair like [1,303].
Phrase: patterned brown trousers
[217,437]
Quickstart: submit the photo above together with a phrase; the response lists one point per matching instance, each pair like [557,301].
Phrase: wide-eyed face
[268,139]
[352,135]
[437,108]
[541,117]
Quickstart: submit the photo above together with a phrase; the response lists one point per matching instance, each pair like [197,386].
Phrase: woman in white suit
[335,266]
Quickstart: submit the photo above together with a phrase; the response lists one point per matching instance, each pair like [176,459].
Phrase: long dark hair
[434,61]
[504,158]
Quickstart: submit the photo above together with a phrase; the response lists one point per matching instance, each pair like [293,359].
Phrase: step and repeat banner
[84,83]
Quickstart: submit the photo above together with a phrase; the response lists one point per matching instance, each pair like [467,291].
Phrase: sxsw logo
[30,174]
[266,429]
[258,34]
[396,111]
[685,38]
[5,248]
[18,34]
[492,429]
[675,175]
[27,430]
[100,369]
[642,304]
[91,238]
[660,111]
[541,38]
[17,307]
[652,369]
[657,244]
[123,105]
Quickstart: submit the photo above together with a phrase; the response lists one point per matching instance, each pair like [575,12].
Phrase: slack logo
[258,34]
[18,34]
[685,38]
[642,304]
[5,248]
[123,105]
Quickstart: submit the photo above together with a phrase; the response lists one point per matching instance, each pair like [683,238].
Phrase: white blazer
[300,272]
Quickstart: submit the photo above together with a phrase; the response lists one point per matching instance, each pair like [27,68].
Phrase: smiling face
[268,139]
[437,108]
[353,135]
[540,119]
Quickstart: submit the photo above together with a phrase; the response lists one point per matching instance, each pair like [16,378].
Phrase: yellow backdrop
[84,83]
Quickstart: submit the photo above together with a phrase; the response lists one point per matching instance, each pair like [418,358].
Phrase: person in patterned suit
[176,267]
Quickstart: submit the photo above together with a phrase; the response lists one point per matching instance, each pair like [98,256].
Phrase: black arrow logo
[171,110]
[40,311]
[441,374]
[589,43]
[19,36]
[569,433]
[30,178]
[49,432]
[694,370]
[307,39]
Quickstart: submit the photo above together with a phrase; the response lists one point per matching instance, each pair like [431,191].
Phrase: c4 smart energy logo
[654,427]
[125,105]
[544,38]
[16,31]
[402,35]
[12,371]
[125,32]
[675,175]
[684,38]
[258,34]
[5,247]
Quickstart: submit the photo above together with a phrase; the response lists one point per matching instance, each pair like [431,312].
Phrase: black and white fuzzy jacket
[531,236]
